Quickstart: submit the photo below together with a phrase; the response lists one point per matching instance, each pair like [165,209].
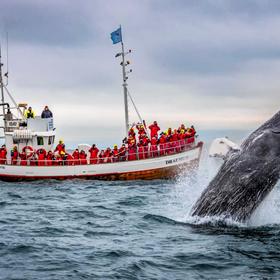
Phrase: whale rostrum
[246,176]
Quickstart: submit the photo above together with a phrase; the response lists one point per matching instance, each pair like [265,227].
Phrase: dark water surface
[134,230]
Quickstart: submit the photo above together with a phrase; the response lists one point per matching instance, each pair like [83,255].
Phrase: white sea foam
[189,188]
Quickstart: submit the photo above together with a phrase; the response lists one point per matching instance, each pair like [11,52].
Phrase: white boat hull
[152,168]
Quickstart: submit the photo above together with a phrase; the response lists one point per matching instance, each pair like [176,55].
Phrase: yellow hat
[60,141]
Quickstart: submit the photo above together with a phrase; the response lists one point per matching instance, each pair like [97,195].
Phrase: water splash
[189,188]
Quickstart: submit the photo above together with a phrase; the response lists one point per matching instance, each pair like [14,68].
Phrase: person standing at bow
[47,113]
[29,113]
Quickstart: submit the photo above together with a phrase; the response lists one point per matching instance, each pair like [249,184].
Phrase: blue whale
[246,177]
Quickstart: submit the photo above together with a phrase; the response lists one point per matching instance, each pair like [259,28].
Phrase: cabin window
[51,140]
[40,141]
[18,141]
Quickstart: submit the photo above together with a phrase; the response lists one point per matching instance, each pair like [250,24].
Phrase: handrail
[152,151]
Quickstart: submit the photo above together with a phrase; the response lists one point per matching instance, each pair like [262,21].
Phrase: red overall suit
[76,157]
[23,159]
[141,151]
[14,156]
[69,160]
[93,155]
[83,157]
[162,145]
[115,154]
[41,157]
[132,152]
[154,129]
[49,159]
[153,147]
[3,155]
[122,153]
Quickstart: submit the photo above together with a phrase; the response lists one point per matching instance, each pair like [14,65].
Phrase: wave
[188,189]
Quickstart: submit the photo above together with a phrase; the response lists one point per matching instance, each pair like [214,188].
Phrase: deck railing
[150,151]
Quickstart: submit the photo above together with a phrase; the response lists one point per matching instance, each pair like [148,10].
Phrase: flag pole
[125,89]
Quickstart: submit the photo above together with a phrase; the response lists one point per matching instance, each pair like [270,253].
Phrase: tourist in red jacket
[69,160]
[101,157]
[141,150]
[115,153]
[108,157]
[33,160]
[23,159]
[83,157]
[41,153]
[3,154]
[162,144]
[60,148]
[76,157]
[122,153]
[132,152]
[93,154]
[14,155]
[58,160]
[131,133]
[182,136]
[154,129]
[49,158]
[146,142]
[153,147]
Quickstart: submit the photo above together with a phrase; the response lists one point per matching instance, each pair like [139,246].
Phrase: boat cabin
[34,132]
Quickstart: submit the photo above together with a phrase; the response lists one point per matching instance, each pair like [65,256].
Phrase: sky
[214,64]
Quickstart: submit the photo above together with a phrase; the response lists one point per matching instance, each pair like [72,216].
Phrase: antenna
[7,73]
[1,83]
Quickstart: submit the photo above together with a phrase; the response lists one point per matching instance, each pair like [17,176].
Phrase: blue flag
[116,36]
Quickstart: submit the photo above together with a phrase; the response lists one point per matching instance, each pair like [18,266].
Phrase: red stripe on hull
[159,173]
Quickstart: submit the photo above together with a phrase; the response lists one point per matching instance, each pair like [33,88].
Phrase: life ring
[29,151]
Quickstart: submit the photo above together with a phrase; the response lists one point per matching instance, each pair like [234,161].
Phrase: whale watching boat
[26,136]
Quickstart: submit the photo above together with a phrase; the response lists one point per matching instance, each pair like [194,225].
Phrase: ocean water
[85,229]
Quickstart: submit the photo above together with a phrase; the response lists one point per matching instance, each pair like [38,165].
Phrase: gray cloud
[212,63]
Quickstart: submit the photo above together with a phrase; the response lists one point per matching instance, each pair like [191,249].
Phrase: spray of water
[189,188]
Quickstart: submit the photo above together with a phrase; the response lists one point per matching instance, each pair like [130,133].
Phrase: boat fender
[29,151]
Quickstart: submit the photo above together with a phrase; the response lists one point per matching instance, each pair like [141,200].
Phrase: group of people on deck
[30,114]
[140,146]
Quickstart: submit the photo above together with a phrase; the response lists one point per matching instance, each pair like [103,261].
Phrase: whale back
[246,176]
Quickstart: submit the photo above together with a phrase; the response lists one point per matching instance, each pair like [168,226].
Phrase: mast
[125,90]
[116,37]
[2,86]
